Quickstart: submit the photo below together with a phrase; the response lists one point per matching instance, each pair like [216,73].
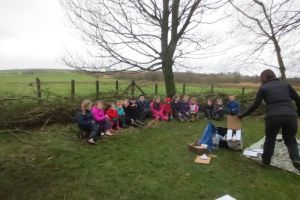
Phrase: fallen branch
[45,124]
[20,98]
[20,130]
[15,130]
[20,139]
[7,131]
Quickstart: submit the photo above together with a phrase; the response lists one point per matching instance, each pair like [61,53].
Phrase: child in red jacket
[112,116]
[168,108]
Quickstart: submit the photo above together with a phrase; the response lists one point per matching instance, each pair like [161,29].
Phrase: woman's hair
[267,75]
[85,104]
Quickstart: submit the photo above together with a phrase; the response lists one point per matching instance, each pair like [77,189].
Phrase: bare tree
[269,23]
[138,35]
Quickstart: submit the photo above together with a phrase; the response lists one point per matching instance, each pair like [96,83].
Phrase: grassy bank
[151,163]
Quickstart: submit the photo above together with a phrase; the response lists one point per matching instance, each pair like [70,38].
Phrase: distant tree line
[190,77]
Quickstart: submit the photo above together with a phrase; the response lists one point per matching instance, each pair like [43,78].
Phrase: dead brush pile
[25,114]
[31,115]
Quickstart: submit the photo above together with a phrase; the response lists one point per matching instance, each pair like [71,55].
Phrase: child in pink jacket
[194,109]
[157,109]
[100,117]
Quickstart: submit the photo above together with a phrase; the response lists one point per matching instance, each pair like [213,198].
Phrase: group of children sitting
[102,118]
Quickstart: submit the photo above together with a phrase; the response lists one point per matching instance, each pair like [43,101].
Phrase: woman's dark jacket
[278,96]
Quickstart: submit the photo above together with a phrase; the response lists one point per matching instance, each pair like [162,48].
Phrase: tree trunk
[166,54]
[169,78]
[280,60]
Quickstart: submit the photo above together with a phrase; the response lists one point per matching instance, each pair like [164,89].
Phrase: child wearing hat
[168,108]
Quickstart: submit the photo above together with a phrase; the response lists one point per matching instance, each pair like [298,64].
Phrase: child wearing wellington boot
[85,121]
[100,118]
[121,114]
[112,116]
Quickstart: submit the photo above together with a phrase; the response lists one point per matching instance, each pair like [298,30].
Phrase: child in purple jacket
[100,117]
[185,107]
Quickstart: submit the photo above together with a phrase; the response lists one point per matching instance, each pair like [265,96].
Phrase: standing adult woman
[280,114]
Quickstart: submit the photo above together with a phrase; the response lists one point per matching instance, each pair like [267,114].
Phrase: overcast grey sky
[33,34]
[36,33]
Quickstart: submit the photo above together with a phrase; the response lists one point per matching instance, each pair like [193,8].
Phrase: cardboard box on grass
[201,161]
[233,122]
[235,144]
[234,125]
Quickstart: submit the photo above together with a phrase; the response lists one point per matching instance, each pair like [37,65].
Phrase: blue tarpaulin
[207,135]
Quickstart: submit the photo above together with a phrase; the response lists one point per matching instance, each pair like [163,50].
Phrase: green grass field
[58,83]
[54,83]
[149,163]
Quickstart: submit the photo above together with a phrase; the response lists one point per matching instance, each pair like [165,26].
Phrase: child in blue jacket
[85,121]
[233,107]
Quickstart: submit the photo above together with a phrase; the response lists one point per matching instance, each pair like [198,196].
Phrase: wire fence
[41,90]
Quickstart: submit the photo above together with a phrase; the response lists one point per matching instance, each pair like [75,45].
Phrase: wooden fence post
[38,89]
[156,89]
[132,88]
[212,88]
[243,94]
[97,90]
[72,90]
[117,87]
[183,88]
